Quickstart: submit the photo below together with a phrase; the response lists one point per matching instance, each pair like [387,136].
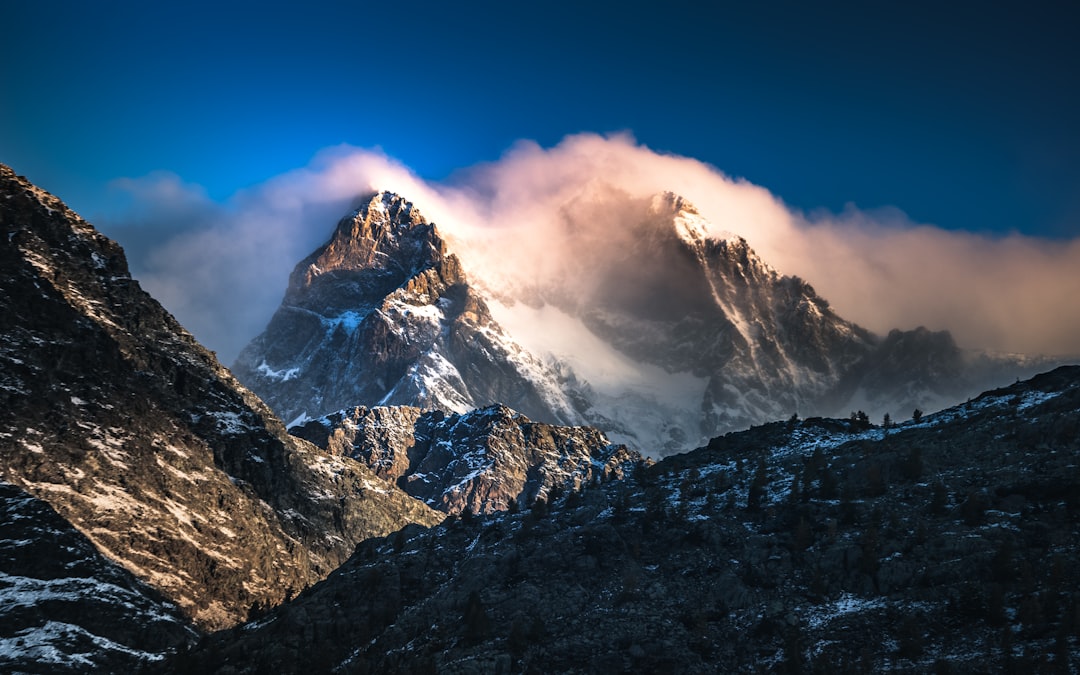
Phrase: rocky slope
[112,414]
[941,544]
[657,332]
[65,608]
[491,459]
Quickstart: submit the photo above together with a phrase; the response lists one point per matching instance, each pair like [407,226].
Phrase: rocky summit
[112,414]
[492,459]
[659,333]
[383,314]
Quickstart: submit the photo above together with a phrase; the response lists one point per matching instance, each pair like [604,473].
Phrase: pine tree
[757,486]
[475,617]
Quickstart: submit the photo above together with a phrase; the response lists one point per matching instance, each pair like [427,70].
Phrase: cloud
[222,268]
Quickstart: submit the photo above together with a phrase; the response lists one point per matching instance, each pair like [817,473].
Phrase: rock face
[112,414]
[660,334]
[65,608]
[765,345]
[488,460]
[384,315]
[938,545]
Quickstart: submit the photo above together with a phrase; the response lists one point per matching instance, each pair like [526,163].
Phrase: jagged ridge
[491,459]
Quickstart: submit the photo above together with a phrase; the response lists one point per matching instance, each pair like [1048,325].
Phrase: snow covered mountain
[384,315]
[657,333]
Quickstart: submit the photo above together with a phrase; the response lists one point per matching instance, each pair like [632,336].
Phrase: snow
[32,447]
[52,642]
[1034,398]
[106,498]
[299,420]
[349,321]
[433,382]
[229,422]
[691,227]
[430,313]
[283,375]
[846,604]
[110,447]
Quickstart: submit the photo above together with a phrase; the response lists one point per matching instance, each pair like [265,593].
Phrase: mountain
[942,544]
[112,414]
[491,459]
[383,314]
[652,329]
[65,608]
[148,497]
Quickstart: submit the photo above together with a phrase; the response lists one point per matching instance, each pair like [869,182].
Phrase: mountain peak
[669,203]
[689,224]
[385,224]
[386,241]
[383,314]
[389,207]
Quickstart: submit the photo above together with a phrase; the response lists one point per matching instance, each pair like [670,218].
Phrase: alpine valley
[556,473]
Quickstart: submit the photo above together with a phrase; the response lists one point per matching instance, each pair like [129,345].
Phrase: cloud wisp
[222,268]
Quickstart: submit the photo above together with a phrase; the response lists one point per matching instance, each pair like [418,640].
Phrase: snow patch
[229,422]
[847,604]
[51,644]
[283,375]
[349,321]
[299,420]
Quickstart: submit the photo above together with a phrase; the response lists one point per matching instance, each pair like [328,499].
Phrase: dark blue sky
[964,116]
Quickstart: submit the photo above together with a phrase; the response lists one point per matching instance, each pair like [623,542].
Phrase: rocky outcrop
[114,415]
[65,608]
[488,460]
[765,344]
[942,544]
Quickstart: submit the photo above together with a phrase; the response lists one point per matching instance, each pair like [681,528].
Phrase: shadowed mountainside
[832,546]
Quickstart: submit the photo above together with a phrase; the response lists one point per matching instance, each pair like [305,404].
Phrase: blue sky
[927,154]
[962,115]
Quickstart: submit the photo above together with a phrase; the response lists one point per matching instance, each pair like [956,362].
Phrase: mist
[222,268]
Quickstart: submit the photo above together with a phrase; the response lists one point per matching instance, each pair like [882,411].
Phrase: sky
[869,131]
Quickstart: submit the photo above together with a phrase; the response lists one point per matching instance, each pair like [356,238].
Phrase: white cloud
[222,269]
